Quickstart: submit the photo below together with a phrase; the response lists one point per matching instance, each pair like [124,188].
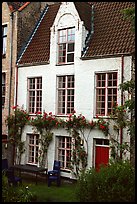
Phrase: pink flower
[50,113]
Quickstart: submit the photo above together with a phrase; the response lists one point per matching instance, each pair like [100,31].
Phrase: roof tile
[112,33]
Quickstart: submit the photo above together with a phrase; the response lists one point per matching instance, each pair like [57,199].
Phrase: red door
[102,156]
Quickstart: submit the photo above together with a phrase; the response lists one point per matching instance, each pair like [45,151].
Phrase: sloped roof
[14,6]
[84,11]
[39,48]
[112,33]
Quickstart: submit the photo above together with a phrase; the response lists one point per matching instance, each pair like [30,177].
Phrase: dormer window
[66,45]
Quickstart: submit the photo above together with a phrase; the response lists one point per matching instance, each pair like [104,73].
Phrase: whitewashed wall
[84,71]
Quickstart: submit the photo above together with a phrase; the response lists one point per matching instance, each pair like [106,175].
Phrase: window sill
[65,170]
[65,64]
[103,116]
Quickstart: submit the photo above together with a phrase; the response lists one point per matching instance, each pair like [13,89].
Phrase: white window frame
[66,42]
[66,89]
[106,88]
[36,149]
[35,101]
[65,149]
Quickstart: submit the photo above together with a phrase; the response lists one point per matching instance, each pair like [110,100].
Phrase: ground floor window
[64,151]
[33,147]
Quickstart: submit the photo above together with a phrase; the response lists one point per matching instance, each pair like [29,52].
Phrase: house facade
[75,60]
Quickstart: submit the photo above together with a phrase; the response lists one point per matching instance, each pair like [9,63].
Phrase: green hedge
[115,183]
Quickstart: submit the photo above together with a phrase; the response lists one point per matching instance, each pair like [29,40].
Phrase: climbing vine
[76,125]
[16,123]
[43,124]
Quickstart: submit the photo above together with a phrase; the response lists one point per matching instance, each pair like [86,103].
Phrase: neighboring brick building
[18,21]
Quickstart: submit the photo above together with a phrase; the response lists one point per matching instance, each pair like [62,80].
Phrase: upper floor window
[35,94]
[3,88]
[65,93]
[106,92]
[4,39]
[66,45]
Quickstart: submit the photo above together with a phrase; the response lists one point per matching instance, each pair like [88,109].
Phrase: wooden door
[101,156]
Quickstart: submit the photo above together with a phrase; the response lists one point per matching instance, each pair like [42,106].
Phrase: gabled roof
[112,33]
[84,11]
[38,49]
[14,6]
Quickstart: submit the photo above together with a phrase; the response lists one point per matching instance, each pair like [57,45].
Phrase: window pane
[70,57]
[71,47]
[71,34]
[62,36]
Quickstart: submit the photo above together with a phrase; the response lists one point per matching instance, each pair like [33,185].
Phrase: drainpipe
[11,52]
[122,79]
[16,85]
[10,147]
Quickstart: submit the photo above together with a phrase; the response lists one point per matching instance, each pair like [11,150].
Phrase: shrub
[115,183]
[19,193]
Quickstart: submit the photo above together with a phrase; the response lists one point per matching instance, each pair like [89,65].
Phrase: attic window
[66,45]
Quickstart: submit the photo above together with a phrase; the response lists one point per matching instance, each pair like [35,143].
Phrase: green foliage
[44,125]
[124,117]
[78,155]
[45,121]
[129,14]
[103,125]
[16,123]
[115,183]
[19,193]
[76,126]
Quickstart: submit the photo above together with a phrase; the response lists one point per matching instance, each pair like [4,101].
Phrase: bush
[115,183]
[19,193]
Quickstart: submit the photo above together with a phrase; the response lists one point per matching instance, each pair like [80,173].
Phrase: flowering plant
[45,121]
[44,124]
[16,123]
[102,125]
[120,116]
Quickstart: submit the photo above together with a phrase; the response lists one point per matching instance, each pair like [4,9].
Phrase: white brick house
[68,55]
